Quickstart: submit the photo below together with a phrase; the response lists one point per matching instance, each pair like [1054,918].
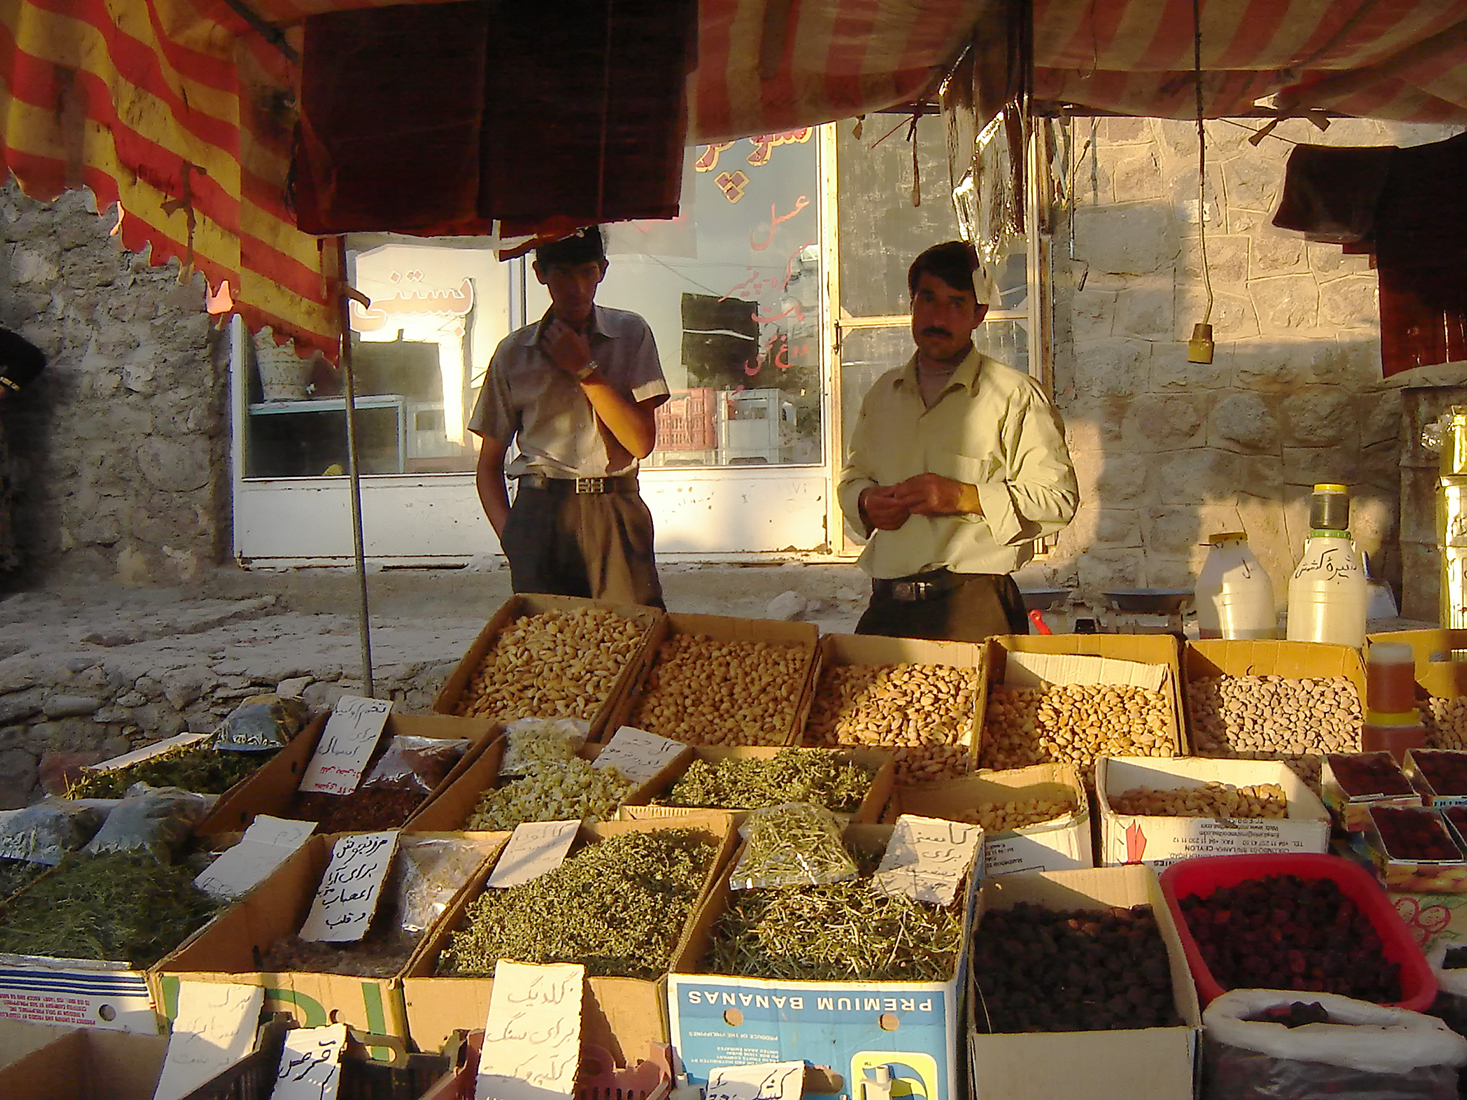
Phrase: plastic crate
[1204,875]
[685,421]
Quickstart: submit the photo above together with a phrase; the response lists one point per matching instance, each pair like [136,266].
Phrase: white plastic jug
[1328,593]
[1234,596]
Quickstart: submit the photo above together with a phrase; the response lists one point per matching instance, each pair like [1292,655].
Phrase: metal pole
[364,619]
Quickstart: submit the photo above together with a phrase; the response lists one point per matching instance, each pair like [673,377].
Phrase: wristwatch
[589,369]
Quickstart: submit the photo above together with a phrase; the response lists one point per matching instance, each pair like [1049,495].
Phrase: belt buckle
[907,591]
[590,485]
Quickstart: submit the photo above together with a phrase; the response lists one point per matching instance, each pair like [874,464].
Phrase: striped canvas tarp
[182,112]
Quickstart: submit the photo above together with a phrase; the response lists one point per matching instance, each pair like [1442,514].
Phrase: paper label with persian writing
[347,896]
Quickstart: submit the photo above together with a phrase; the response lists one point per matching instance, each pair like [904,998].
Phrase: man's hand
[566,347]
[935,495]
[881,507]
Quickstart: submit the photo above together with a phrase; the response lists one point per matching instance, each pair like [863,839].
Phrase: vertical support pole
[364,619]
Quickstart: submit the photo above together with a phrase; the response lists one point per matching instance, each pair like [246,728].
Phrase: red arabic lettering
[774,220]
[708,159]
[765,144]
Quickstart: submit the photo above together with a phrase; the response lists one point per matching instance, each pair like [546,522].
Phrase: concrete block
[1277,253]
[1172,531]
[1112,368]
[1145,311]
[1136,176]
[174,465]
[1350,302]
[1195,474]
[1244,422]
[1117,527]
[1320,416]
[1287,305]
[1233,315]
[1227,261]
[1132,239]
[1380,418]
[1121,480]
[1164,422]
[1253,183]
[1092,314]
[1330,261]
[1304,467]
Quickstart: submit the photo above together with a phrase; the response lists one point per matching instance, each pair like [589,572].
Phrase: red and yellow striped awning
[181,111]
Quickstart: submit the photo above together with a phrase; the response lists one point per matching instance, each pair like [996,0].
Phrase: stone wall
[1170,451]
[120,449]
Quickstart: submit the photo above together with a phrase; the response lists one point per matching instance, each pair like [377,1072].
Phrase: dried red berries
[1367,773]
[1286,932]
[1038,969]
[1446,771]
[1413,833]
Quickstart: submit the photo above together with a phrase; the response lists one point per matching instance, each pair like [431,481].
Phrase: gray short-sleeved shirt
[528,399]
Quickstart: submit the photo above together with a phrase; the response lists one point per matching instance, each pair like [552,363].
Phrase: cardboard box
[231,948]
[1415,876]
[1063,844]
[1291,660]
[272,789]
[19,1037]
[87,1065]
[1160,840]
[1418,767]
[1145,660]
[868,649]
[522,604]
[869,812]
[452,809]
[1142,1064]
[621,1015]
[724,628]
[849,1027]
[1351,811]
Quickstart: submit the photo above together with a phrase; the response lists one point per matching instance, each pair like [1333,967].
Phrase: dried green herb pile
[553,791]
[617,907]
[113,906]
[842,931]
[791,775]
[15,873]
[194,767]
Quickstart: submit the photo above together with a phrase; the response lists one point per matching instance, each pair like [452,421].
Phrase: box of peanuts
[1067,699]
[544,656]
[918,698]
[1159,811]
[1034,819]
[1273,700]
[720,680]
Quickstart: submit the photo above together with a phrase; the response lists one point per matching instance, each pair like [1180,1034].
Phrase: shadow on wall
[1236,446]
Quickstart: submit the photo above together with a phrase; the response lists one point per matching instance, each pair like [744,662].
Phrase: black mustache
[935,331]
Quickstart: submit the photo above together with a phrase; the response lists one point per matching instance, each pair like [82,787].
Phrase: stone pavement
[90,671]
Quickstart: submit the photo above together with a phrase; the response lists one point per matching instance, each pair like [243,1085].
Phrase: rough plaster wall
[121,446]
[1169,452]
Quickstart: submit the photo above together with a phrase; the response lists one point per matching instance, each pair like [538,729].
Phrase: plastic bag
[261,723]
[1367,1051]
[156,820]
[43,833]
[541,740]
[414,764]
[429,872]
[797,844]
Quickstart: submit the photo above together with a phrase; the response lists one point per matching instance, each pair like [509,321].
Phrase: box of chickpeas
[1159,811]
[721,680]
[544,656]
[917,698]
[1034,819]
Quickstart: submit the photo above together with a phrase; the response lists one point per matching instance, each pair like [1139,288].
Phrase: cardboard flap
[1025,670]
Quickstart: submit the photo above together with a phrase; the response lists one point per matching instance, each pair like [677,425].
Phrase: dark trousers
[976,606]
[595,545]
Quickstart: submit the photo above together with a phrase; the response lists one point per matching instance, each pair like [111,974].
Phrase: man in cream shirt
[957,464]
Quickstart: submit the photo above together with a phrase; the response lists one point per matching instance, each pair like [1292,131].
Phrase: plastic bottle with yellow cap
[1328,593]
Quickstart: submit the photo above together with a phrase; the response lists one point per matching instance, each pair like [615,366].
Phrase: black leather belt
[917,587]
[624,483]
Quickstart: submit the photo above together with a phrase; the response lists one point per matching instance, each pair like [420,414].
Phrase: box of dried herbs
[536,772]
[547,656]
[358,983]
[854,782]
[1034,819]
[840,973]
[77,942]
[387,800]
[621,904]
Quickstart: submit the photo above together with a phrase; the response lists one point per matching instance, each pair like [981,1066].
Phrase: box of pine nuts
[1034,819]
[722,680]
[917,698]
[544,656]
[1159,811]
[1070,698]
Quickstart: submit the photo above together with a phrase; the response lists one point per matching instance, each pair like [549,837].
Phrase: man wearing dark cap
[957,464]
[575,392]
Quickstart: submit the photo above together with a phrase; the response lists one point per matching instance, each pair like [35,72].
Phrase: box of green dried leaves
[621,904]
[843,975]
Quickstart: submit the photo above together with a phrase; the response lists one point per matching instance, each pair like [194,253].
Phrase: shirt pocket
[975,470]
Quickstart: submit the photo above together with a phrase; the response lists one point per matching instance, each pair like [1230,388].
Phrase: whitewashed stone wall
[1169,451]
[120,449]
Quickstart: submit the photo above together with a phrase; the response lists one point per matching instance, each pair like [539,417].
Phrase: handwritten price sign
[346,744]
[532,1038]
[310,1064]
[347,896]
[927,858]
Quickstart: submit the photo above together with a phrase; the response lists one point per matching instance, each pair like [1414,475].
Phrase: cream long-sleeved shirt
[993,428]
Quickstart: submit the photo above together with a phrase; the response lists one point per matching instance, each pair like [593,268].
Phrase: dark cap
[582,246]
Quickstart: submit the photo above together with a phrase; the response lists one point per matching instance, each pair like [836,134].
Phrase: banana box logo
[879,1074]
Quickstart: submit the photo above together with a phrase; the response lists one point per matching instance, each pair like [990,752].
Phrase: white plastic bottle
[1234,595]
[1329,593]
